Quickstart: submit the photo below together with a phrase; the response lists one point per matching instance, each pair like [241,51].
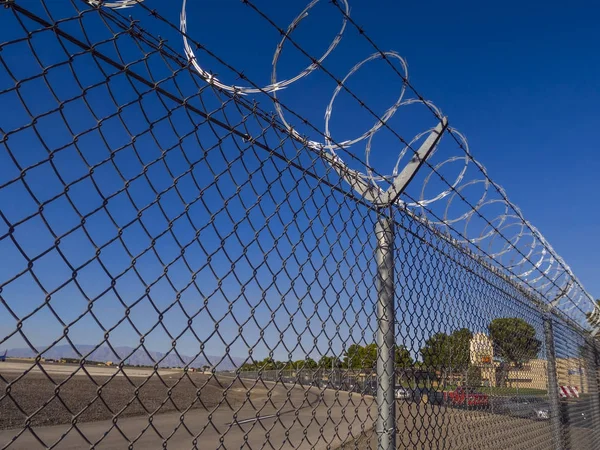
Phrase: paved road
[14,367]
[426,426]
[288,418]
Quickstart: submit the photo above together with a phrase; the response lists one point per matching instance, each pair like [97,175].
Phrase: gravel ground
[36,392]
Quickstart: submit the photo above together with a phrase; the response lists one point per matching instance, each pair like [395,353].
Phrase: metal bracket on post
[384,230]
[376,195]
[560,295]
[385,425]
[386,377]
[594,319]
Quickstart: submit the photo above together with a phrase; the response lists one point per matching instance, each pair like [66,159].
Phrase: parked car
[349,386]
[426,395]
[402,393]
[529,407]
[433,396]
[333,385]
[370,388]
[573,411]
[465,396]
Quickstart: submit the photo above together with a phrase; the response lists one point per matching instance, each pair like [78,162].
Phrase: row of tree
[513,341]
[355,357]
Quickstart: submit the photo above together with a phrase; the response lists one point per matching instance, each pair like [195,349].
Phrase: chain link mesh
[182,271]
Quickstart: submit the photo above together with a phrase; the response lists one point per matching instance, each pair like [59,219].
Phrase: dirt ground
[48,402]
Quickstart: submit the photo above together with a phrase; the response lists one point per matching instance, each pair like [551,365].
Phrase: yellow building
[482,356]
[572,372]
[531,375]
[481,350]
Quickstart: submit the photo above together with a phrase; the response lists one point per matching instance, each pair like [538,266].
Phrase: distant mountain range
[140,357]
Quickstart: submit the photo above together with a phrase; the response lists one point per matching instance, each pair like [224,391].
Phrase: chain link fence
[182,270]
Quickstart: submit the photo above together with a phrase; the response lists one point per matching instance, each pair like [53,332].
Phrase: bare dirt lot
[22,366]
[99,397]
[295,417]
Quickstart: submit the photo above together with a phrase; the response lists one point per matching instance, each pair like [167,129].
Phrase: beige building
[572,372]
[481,349]
[533,374]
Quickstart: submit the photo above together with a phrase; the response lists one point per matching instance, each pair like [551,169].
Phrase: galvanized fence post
[386,404]
[593,385]
[553,395]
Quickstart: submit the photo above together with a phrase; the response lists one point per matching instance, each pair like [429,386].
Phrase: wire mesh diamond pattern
[183,270]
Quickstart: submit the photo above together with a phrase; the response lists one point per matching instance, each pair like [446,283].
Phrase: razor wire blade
[506,238]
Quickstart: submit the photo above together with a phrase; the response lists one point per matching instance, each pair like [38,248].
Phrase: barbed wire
[571,288]
[447,223]
[289,264]
[523,268]
[525,254]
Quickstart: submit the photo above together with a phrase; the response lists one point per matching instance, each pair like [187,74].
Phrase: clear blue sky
[520,81]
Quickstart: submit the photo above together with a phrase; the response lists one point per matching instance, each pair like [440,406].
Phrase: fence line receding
[193,260]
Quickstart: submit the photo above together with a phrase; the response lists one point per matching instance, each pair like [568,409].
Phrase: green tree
[304,364]
[448,352]
[327,362]
[460,349]
[402,357]
[268,364]
[248,367]
[359,357]
[474,377]
[514,343]
[436,352]
[353,356]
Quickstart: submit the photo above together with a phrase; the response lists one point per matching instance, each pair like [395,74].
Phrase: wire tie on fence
[387,431]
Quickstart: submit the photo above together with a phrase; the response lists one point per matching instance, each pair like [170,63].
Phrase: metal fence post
[593,384]
[553,395]
[386,404]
